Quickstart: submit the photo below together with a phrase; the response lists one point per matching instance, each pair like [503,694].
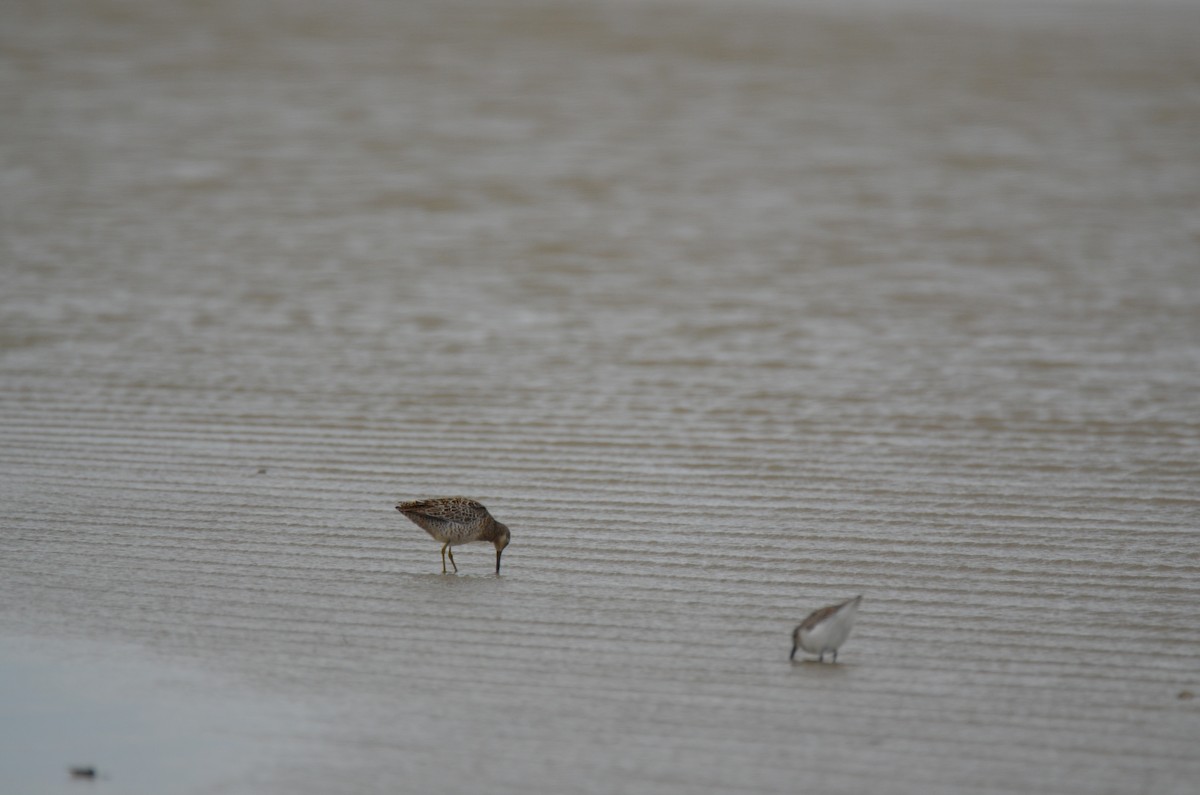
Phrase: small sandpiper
[825,630]
[454,521]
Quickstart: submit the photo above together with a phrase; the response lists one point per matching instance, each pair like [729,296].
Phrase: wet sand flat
[728,310]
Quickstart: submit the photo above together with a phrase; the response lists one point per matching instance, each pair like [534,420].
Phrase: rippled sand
[729,311]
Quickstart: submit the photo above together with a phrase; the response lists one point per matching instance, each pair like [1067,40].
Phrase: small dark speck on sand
[1185,695]
[83,772]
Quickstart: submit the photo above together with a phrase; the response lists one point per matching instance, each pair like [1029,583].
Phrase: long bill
[498,552]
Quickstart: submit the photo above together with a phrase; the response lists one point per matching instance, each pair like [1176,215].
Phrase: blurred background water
[728,310]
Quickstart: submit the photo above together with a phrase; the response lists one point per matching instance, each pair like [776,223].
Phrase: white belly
[829,634]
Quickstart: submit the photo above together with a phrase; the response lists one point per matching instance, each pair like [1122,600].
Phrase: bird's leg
[444,548]
[835,655]
[451,553]
[821,657]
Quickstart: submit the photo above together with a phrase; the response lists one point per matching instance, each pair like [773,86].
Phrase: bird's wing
[817,616]
[447,509]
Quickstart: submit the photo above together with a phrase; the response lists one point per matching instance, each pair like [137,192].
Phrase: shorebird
[454,521]
[825,630]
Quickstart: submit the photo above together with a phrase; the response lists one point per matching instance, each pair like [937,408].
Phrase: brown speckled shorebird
[826,629]
[454,521]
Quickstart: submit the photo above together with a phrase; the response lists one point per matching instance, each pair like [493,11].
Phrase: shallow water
[729,311]
[156,725]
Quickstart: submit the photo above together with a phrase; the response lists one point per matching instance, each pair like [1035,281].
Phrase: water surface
[729,311]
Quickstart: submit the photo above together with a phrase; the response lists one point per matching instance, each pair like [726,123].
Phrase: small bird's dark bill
[498,562]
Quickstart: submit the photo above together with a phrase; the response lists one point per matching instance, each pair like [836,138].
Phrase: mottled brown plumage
[454,521]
